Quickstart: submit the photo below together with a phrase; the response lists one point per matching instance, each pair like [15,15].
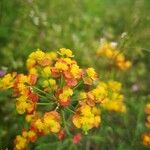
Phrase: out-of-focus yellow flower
[30,117]
[148,121]
[100,92]
[33,71]
[82,95]
[146,139]
[147,111]
[21,106]
[30,63]
[32,136]
[110,51]
[116,106]
[20,143]
[147,108]
[91,76]
[7,81]
[91,73]
[114,85]
[66,52]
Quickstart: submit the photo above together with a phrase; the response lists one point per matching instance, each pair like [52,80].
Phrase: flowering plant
[57,96]
[146,136]
[110,51]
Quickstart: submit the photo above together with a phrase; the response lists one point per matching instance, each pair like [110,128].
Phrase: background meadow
[79,25]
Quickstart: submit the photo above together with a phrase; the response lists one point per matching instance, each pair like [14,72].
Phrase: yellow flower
[68,60]
[99,92]
[39,58]
[75,71]
[77,121]
[128,64]
[91,73]
[7,81]
[65,52]
[30,63]
[61,66]
[147,108]
[86,110]
[110,51]
[51,55]
[147,123]
[37,55]
[146,139]
[67,92]
[114,85]
[82,95]
[30,117]
[24,105]
[50,82]
[51,122]
[21,104]
[39,125]
[33,71]
[116,106]
[86,117]
[46,72]
[116,96]
[20,143]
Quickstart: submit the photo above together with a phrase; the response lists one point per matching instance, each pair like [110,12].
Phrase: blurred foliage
[79,25]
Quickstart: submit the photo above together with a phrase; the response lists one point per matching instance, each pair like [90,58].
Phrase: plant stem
[77,85]
[70,110]
[44,104]
[64,123]
[42,91]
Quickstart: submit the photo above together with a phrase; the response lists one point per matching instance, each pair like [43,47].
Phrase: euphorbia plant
[56,93]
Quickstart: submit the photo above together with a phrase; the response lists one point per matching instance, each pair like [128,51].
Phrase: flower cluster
[147,111]
[86,117]
[110,51]
[146,136]
[106,94]
[54,81]
[50,122]
[7,81]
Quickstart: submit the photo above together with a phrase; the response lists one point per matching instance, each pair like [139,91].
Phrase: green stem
[61,81]
[44,104]
[64,123]
[41,95]
[77,85]
[70,110]
[42,91]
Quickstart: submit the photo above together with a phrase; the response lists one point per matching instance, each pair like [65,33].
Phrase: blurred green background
[51,24]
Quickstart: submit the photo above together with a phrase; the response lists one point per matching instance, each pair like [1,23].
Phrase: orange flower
[146,139]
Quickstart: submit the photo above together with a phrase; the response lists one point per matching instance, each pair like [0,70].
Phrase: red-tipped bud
[61,135]
[77,138]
